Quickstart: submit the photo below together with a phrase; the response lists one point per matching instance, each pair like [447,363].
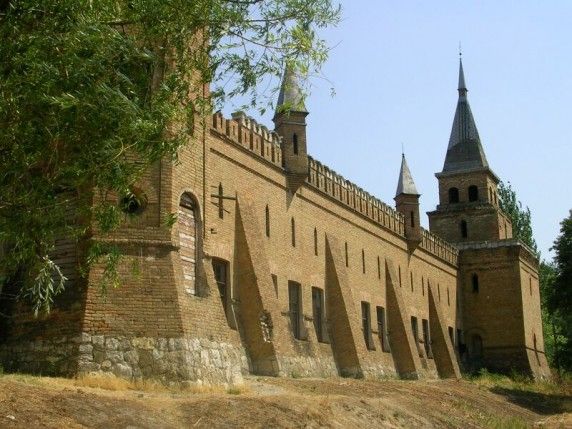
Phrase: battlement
[439,247]
[349,194]
[248,133]
[256,138]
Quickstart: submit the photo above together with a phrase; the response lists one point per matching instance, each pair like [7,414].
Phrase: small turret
[290,124]
[407,203]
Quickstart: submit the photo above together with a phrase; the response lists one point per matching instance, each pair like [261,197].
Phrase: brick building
[278,265]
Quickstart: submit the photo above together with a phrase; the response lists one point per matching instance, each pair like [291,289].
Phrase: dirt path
[27,402]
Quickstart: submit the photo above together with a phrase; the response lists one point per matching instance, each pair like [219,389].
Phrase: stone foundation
[169,360]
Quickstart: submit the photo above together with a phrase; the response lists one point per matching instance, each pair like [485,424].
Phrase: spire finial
[460,51]
[462,86]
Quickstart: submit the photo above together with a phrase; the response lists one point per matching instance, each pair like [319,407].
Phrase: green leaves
[94,92]
[519,216]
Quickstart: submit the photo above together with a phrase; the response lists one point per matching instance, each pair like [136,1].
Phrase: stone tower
[407,203]
[290,124]
[498,275]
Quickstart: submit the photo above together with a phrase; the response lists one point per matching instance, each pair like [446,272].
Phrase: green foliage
[557,297]
[519,216]
[87,87]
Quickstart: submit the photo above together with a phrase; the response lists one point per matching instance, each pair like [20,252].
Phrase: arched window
[295,143]
[453,195]
[475,283]
[477,346]
[473,193]
[491,195]
[293,225]
[464,232]
[188,241]
[267,217]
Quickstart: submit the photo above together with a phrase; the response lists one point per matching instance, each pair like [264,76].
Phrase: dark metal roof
[465,151]
[405,185]
[291,97]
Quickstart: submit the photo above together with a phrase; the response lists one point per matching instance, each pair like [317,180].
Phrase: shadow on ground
[541,403]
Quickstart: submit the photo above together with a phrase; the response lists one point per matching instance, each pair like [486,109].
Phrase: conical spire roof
[405,185]
[465,151]
[291,97]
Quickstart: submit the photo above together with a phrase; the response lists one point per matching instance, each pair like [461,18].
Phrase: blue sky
[394,67]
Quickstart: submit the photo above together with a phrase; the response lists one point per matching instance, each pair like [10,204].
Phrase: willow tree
[85,86]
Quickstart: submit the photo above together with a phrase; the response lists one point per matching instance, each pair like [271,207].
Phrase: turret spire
[291,97]
[465,151]
[405,185]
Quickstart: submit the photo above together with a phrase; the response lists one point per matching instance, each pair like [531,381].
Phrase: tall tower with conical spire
[500,312]
[468,207]
[290,124]
[407,203]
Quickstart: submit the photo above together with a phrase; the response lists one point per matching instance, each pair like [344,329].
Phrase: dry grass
[521,383]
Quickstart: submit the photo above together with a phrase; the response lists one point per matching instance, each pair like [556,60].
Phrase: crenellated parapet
[351,195]
[439,247]
[251,135]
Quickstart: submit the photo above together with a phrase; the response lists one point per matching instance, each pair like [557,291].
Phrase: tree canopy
[519,216]
[85,86]
[557,295]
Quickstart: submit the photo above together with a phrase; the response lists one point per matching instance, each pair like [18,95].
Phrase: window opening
[267,217]
[473,193]
[464,232]
[220,269]
[295,306]
[453,195]
[366,325]
[475,283]
[293,225]
[382,329]
[426,338]
[318,312]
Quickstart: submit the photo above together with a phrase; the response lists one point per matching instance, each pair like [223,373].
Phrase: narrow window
[473,193]
[378,268]
[295,143]
[399,271]
[315,242]
[267,217]
[422,286]
[448,298]
[411,281]
[475,283]
[293,225]
[452,335]
[412,219]
[453,195]
[220,201]
[439,291]
[414,329]
[363,261]
[347,259]
[295,306]
[426,338]
[366,325]
[464,232]
[188,241]
[382,329]
[275,283]
[491,195]
[220,269]
[318,312]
